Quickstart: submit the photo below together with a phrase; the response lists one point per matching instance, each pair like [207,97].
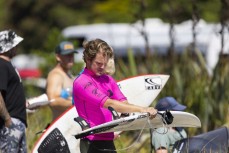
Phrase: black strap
[113,112]
[83,124]
[178,130]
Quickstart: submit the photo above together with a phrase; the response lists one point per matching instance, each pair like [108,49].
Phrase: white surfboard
[143,121]
[142,90]
[139,90]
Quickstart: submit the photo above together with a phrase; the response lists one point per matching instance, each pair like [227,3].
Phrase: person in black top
[12,98]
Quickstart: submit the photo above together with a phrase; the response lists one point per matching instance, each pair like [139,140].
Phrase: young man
[163,138]
[12,98]
[94,91]
[60,79]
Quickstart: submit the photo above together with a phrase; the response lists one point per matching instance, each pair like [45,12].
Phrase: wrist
[8,122]
[7,118]
[143,110]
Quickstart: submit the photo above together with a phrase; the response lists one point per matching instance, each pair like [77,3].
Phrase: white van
[122,36]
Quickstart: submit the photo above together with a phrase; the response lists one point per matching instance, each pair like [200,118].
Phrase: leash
[136,140]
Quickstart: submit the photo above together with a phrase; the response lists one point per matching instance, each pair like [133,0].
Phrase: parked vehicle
[122,36]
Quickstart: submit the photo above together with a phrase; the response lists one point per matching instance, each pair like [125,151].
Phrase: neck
[5,57]
[66,71]
[62,68]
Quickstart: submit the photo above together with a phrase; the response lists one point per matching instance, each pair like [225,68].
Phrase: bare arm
[4,113]
[54,87]
[126,107]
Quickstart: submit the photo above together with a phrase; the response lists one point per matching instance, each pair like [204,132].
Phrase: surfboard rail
[139,121]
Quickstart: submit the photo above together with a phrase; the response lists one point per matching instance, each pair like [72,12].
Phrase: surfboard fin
[84,125]
[114,113]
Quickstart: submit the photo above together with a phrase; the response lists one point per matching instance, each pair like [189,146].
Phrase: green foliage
[218,90]
[37,121]
[3,12]
[132,62]
[111,11]
[210,11]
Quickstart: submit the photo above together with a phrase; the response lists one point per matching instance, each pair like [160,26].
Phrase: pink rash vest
[90,92]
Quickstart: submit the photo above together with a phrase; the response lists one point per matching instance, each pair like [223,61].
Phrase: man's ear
[88,62]
[58,58]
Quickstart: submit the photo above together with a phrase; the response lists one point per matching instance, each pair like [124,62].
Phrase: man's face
[66,61]
[98,65]
[12,52]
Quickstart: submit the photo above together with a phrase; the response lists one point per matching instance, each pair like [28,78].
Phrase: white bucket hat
[8,40]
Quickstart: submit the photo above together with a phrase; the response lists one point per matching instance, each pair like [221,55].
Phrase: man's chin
[99,73]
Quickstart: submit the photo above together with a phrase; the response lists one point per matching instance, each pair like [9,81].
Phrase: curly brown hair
[92,47]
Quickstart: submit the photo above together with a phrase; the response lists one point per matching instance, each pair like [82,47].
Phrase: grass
[37,121]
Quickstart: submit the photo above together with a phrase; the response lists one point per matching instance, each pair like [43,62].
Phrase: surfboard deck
[143,121]
[142,90]
[139,90]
